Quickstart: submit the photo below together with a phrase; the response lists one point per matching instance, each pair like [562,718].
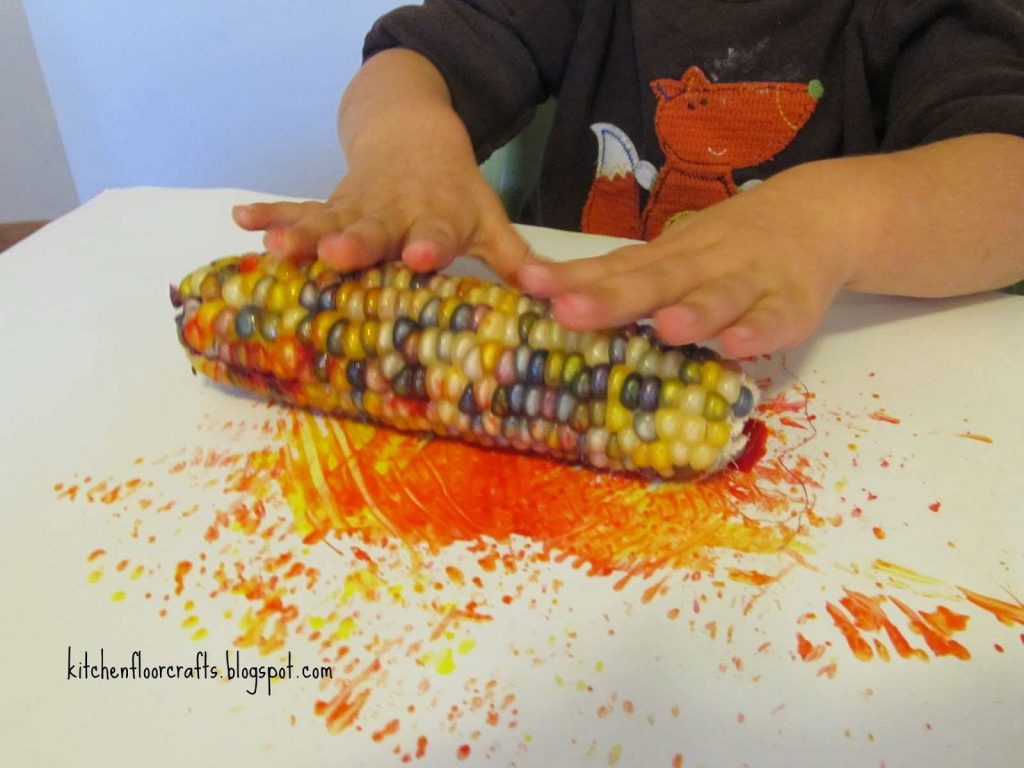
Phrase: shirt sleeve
[500,58]
[951,68]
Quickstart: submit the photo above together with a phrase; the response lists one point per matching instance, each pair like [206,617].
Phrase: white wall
[201,93]
[35,182]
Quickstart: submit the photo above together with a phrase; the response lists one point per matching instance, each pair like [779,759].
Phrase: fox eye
[690,105]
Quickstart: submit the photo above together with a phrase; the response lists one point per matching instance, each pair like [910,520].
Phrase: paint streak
[884,417]
[864,614]
[807,650]
[974,436]
[1007,613]
[427,497]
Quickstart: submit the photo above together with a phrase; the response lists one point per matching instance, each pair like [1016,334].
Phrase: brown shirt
[670,105]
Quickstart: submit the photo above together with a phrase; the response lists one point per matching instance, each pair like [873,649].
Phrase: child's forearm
[943,219]
[399,98]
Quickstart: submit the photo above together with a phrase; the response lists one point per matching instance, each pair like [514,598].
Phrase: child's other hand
[424,203]
[756,272]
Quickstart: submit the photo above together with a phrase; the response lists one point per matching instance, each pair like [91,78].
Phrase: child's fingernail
[535,278]
[274,239]
[575,306]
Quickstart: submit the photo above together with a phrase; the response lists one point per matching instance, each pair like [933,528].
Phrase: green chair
[514,169]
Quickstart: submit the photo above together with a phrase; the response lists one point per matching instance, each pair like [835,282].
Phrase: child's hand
[413,188]
[757,272]
[425,210]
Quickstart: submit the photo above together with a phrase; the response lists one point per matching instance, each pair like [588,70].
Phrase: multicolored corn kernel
[463,358]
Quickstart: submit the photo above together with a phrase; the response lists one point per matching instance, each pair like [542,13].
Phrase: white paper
[914,487]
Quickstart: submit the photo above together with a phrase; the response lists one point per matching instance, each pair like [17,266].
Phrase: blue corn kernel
[245,322]
[630,394]
[744,403]
[599,381]
[535,368]
[650,393]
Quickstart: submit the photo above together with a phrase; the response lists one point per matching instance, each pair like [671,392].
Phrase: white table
[117,462]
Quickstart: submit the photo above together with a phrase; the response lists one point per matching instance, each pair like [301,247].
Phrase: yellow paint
[316,622]
[190,622]
[614,754]
[118,596]
[199,634]
[442,661]
[599,666]
[841,485]
[189,605]
[364,583]
[345,628]
[137,573]
[466,646]
[95,576]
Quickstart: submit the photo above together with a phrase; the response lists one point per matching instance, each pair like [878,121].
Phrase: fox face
[729,125]
[706,131]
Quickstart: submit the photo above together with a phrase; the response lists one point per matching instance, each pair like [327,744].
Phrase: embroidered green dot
[816,89]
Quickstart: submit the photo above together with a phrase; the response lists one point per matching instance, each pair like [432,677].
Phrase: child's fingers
[768,326]
[545,280]
[431,243]
[255,216]
[362,244]
[623,297]
[706,311]
[505,250]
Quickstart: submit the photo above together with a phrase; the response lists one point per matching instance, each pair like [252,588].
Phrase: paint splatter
[318,529]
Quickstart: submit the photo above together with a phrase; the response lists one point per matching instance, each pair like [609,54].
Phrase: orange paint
[429,496]
[750,577]
[389,729]
[96,553]
[1006,613]
[973,436]
[829,671]
[884,417]
[807,650]
[180,572]
[866,615]
[421,747]
[878,532]
[936,629]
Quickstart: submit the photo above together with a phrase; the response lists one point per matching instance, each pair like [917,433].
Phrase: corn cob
[462,358]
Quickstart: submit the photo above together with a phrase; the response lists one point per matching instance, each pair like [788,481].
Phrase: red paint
[756,447]
[463,752]
[935,507]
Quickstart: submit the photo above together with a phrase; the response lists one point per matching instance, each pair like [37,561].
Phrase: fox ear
[667,89]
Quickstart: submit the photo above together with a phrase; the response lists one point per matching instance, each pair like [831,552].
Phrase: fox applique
[706,131]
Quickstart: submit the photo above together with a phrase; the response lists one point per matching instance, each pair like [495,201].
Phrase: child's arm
[759,270]
[413,187]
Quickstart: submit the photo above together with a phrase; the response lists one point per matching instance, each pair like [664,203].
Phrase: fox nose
[815,89]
